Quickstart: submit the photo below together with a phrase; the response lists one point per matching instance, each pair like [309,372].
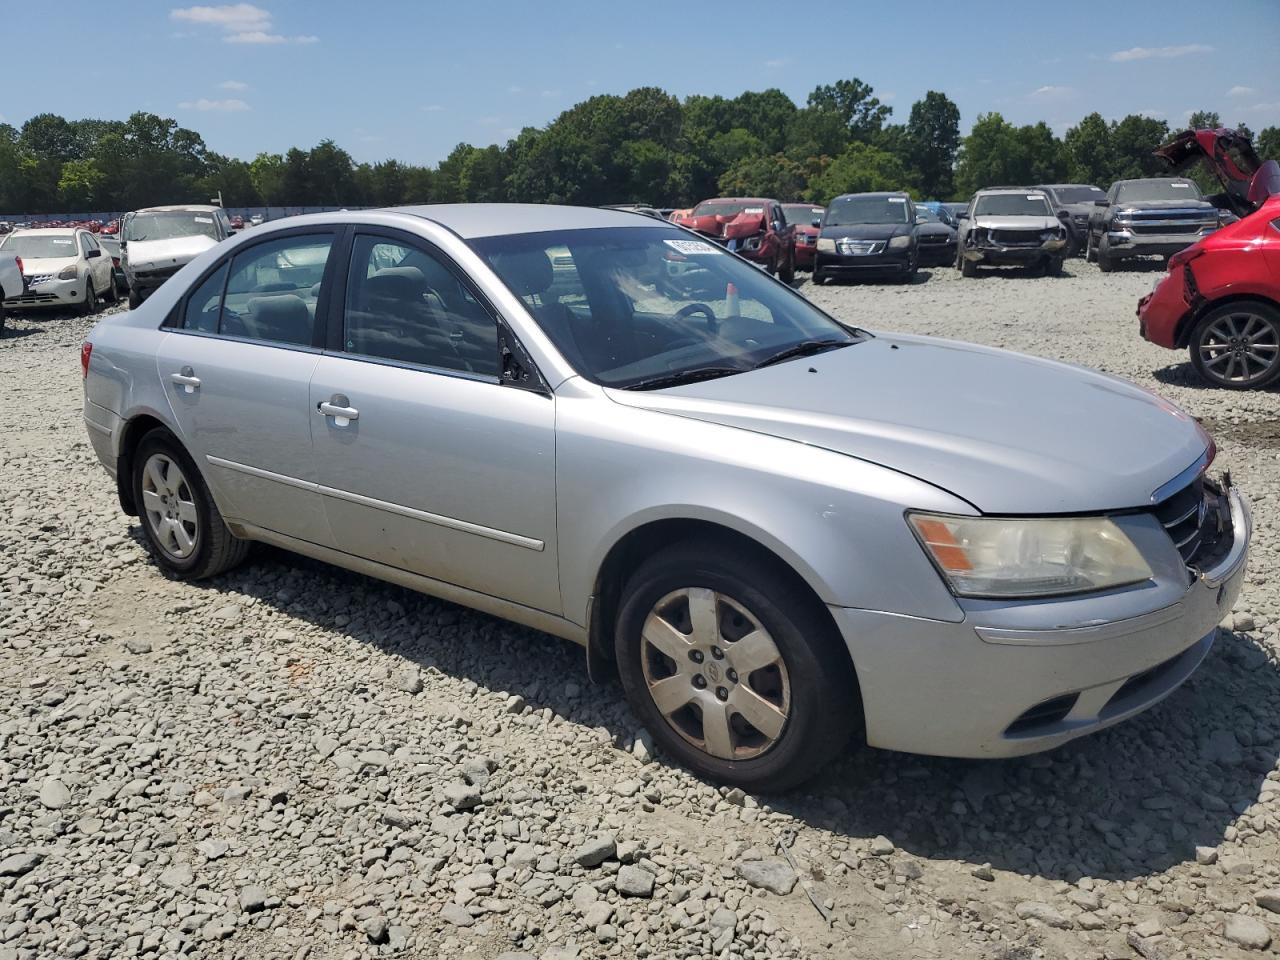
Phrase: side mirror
[1102,203]
[816,222]
[90,254]
[777,226]
[1064,216]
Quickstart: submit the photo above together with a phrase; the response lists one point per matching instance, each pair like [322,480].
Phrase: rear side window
[272,290]
[205,302]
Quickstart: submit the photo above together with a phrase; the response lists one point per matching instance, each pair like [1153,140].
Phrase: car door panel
[446,476]
[248,426]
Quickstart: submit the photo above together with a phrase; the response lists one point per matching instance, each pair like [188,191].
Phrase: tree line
[645,146]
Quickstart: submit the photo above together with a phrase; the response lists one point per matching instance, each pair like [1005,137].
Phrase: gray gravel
[294,762]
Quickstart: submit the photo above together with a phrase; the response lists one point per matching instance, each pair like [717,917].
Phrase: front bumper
[805,254]
[49,293]
[967,689]
[1002,254]
[888,263]
[150,278]
[1123,243]
[933,254]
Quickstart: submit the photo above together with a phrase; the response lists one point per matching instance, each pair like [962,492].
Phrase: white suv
[63,266]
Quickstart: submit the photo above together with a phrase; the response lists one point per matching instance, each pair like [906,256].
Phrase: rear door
[236,367]
[426,460]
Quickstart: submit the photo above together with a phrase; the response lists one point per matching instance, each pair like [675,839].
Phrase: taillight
[19,259]
[86,350]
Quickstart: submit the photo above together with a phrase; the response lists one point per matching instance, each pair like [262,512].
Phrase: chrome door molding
[502,536]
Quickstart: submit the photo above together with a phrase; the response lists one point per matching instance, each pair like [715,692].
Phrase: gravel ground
[291,761]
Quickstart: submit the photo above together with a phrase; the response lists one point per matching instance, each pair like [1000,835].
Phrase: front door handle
[338,407]
[187,379]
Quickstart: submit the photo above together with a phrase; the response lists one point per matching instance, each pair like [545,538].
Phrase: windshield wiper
[804,348]
[684,376]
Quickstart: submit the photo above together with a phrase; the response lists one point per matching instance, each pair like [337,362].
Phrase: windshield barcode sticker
[897,199]
[1181,186]
[203,219]
[691,248]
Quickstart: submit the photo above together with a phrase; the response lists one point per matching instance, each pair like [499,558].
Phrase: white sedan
[63,266]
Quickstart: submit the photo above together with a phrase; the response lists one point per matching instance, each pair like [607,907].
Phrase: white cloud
[774,64]
[1241,92]
[1051,92]
[1272,107]
[432,108]
[234,85]
[240,22]
[550,93]
[234,17]
[515,89]
[1158,53]
[220,106]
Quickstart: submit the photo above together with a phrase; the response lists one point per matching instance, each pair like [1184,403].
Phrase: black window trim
[174,319]
[532,379]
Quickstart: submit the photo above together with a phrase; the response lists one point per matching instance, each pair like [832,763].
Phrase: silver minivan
[777,527]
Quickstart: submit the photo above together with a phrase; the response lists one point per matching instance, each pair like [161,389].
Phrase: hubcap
[1240,347]
[715,674]
[169,506]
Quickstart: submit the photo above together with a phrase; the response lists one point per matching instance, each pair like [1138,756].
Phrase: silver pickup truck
[12,282]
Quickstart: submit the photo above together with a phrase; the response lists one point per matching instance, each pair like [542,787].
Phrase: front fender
[836,520]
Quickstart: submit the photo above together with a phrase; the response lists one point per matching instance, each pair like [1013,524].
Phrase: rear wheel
[186,533]
[1,318]
[788,273]
[135,299]
[733,667]
[1237,345]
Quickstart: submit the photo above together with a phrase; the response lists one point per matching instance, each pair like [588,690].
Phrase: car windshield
[1012,205]
[646,307]
[36,246]
[1078,194]
[727,208]
[845,211]
[803,216]
[169,225]
[1136,191]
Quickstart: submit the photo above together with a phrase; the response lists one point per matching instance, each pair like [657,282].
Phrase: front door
[425,461]
[236,370]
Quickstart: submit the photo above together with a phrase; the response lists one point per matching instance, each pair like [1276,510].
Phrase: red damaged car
[802,216]
[752,227]
[1220,299]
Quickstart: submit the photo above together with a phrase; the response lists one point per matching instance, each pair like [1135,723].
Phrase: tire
[788,274]
[1103,256]
[113,292]
[90,304]
[817,279]
[968,268]
[808,689]
[1090,251]
[171,495]
[1,317]
[1246,365]
[135,299]
[1053,267]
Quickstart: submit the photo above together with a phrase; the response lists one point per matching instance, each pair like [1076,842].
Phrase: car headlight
[826,245]
[69,273]
[986,557]
[900,243]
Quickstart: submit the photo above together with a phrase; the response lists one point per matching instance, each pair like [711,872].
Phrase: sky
[410,79]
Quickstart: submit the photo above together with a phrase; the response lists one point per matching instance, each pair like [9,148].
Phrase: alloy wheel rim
[715,674]
[1240,347]
[170,506]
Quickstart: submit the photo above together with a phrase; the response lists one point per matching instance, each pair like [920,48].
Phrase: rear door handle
[187,379]
[338,407]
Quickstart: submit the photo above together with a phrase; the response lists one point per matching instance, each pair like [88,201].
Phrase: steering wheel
[689,309]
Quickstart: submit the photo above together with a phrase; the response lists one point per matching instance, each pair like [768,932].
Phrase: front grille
[935,238]
[34,298]
[1043,714]
[39,278]
[1177,229]
[1198,521]
[860,248]
[1016,238]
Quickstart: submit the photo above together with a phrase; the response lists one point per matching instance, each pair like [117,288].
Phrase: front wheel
[186,533]
[967,267]
[1237,345]
[1090,251]
[734,667]
[89,306]
[788,273]
[1103,255]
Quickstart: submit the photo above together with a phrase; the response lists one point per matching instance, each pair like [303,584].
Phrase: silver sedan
[778,528]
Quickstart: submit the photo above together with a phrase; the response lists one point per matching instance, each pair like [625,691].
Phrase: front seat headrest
[526,271]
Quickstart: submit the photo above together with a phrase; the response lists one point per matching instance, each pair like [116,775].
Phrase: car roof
[181,207]
[472,220]
[51,231]
[1057,186]
[1157,180]
[875,193]
[1011,190]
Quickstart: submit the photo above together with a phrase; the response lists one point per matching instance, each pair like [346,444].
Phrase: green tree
[266,170]
[996,153]
[1204,120]
[1267,143]
[79,184]
[859,169]
[1133,142]
[933,138]
[1087,151]
[853,102]
[777,177]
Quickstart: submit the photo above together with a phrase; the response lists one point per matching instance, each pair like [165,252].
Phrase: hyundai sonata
[777,527]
